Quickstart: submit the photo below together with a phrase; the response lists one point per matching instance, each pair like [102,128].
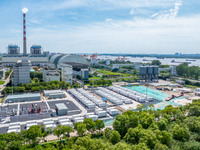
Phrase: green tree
[162,124]
[148,137]
[194,111]
[45,131]
[34,134]
[59,130]
[99,124]
[121,124]
[69,130]
[3,145]
[81,129]
[182,69]
[180,133]
[15,145]
[133,121]
[114,137]
[160,146]
[86,142]
[156,62]
[90,124]
[163,136]
[146,119]
[132,136]
[140,146]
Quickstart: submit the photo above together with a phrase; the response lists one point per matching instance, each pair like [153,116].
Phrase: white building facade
[67,73]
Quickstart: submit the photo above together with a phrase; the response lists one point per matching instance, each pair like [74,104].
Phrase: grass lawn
[2,82]
[95,78]
[106,72]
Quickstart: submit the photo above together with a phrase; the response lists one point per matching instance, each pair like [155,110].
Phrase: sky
[103,26]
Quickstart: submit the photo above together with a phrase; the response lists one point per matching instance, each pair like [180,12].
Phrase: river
[165,61]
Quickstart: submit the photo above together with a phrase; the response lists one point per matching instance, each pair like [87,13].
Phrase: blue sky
[103,26]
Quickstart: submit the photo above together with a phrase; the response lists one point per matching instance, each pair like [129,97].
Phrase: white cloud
[154,15]
[131,12]
[34,21]
[108,19]
[176,9]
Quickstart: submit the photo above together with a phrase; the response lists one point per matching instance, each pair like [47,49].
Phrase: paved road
[179,78]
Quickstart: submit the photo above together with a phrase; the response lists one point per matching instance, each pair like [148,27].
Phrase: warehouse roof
[52,91]
[23,95]
[61,106]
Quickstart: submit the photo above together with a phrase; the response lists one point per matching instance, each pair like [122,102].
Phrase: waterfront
[165,61]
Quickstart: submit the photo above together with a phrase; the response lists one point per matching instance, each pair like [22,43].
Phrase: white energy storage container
[97,110]
[88,114]
[79,118]
[101,114]
[94,117]
[75,116]
[114,112]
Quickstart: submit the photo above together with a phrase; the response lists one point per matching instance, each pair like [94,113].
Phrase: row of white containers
[100,112]
[113,97]
[77,118]
[131,94]
[64,121]
[112,111]
[82,99]
[49,123]
[91,97]
[14,127]
[91,115]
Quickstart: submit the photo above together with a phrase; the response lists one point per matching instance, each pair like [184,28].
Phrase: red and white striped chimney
[24,34]
[24,10]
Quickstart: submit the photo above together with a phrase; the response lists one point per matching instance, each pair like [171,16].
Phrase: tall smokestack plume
[24,10]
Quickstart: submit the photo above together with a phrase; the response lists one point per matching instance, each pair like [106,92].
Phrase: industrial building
[148,73]
[54,94]
[67,73]
[73,69]
[50,74]
[173,70]
[23,98]
[61,109]
[136,65]
[63,58]
[13,56]
[107,62]
[21,71]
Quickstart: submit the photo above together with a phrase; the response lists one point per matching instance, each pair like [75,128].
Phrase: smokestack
[24,10]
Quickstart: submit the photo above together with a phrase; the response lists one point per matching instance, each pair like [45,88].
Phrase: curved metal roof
[72,58]
[54,57]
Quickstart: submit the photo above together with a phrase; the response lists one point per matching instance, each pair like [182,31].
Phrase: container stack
[77,118]
[30,123]
[94,99]
[113,96]
[84,100]
[131,94]
[14,127]
[49,123]
[100,113]
[64,121]
[112,111]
